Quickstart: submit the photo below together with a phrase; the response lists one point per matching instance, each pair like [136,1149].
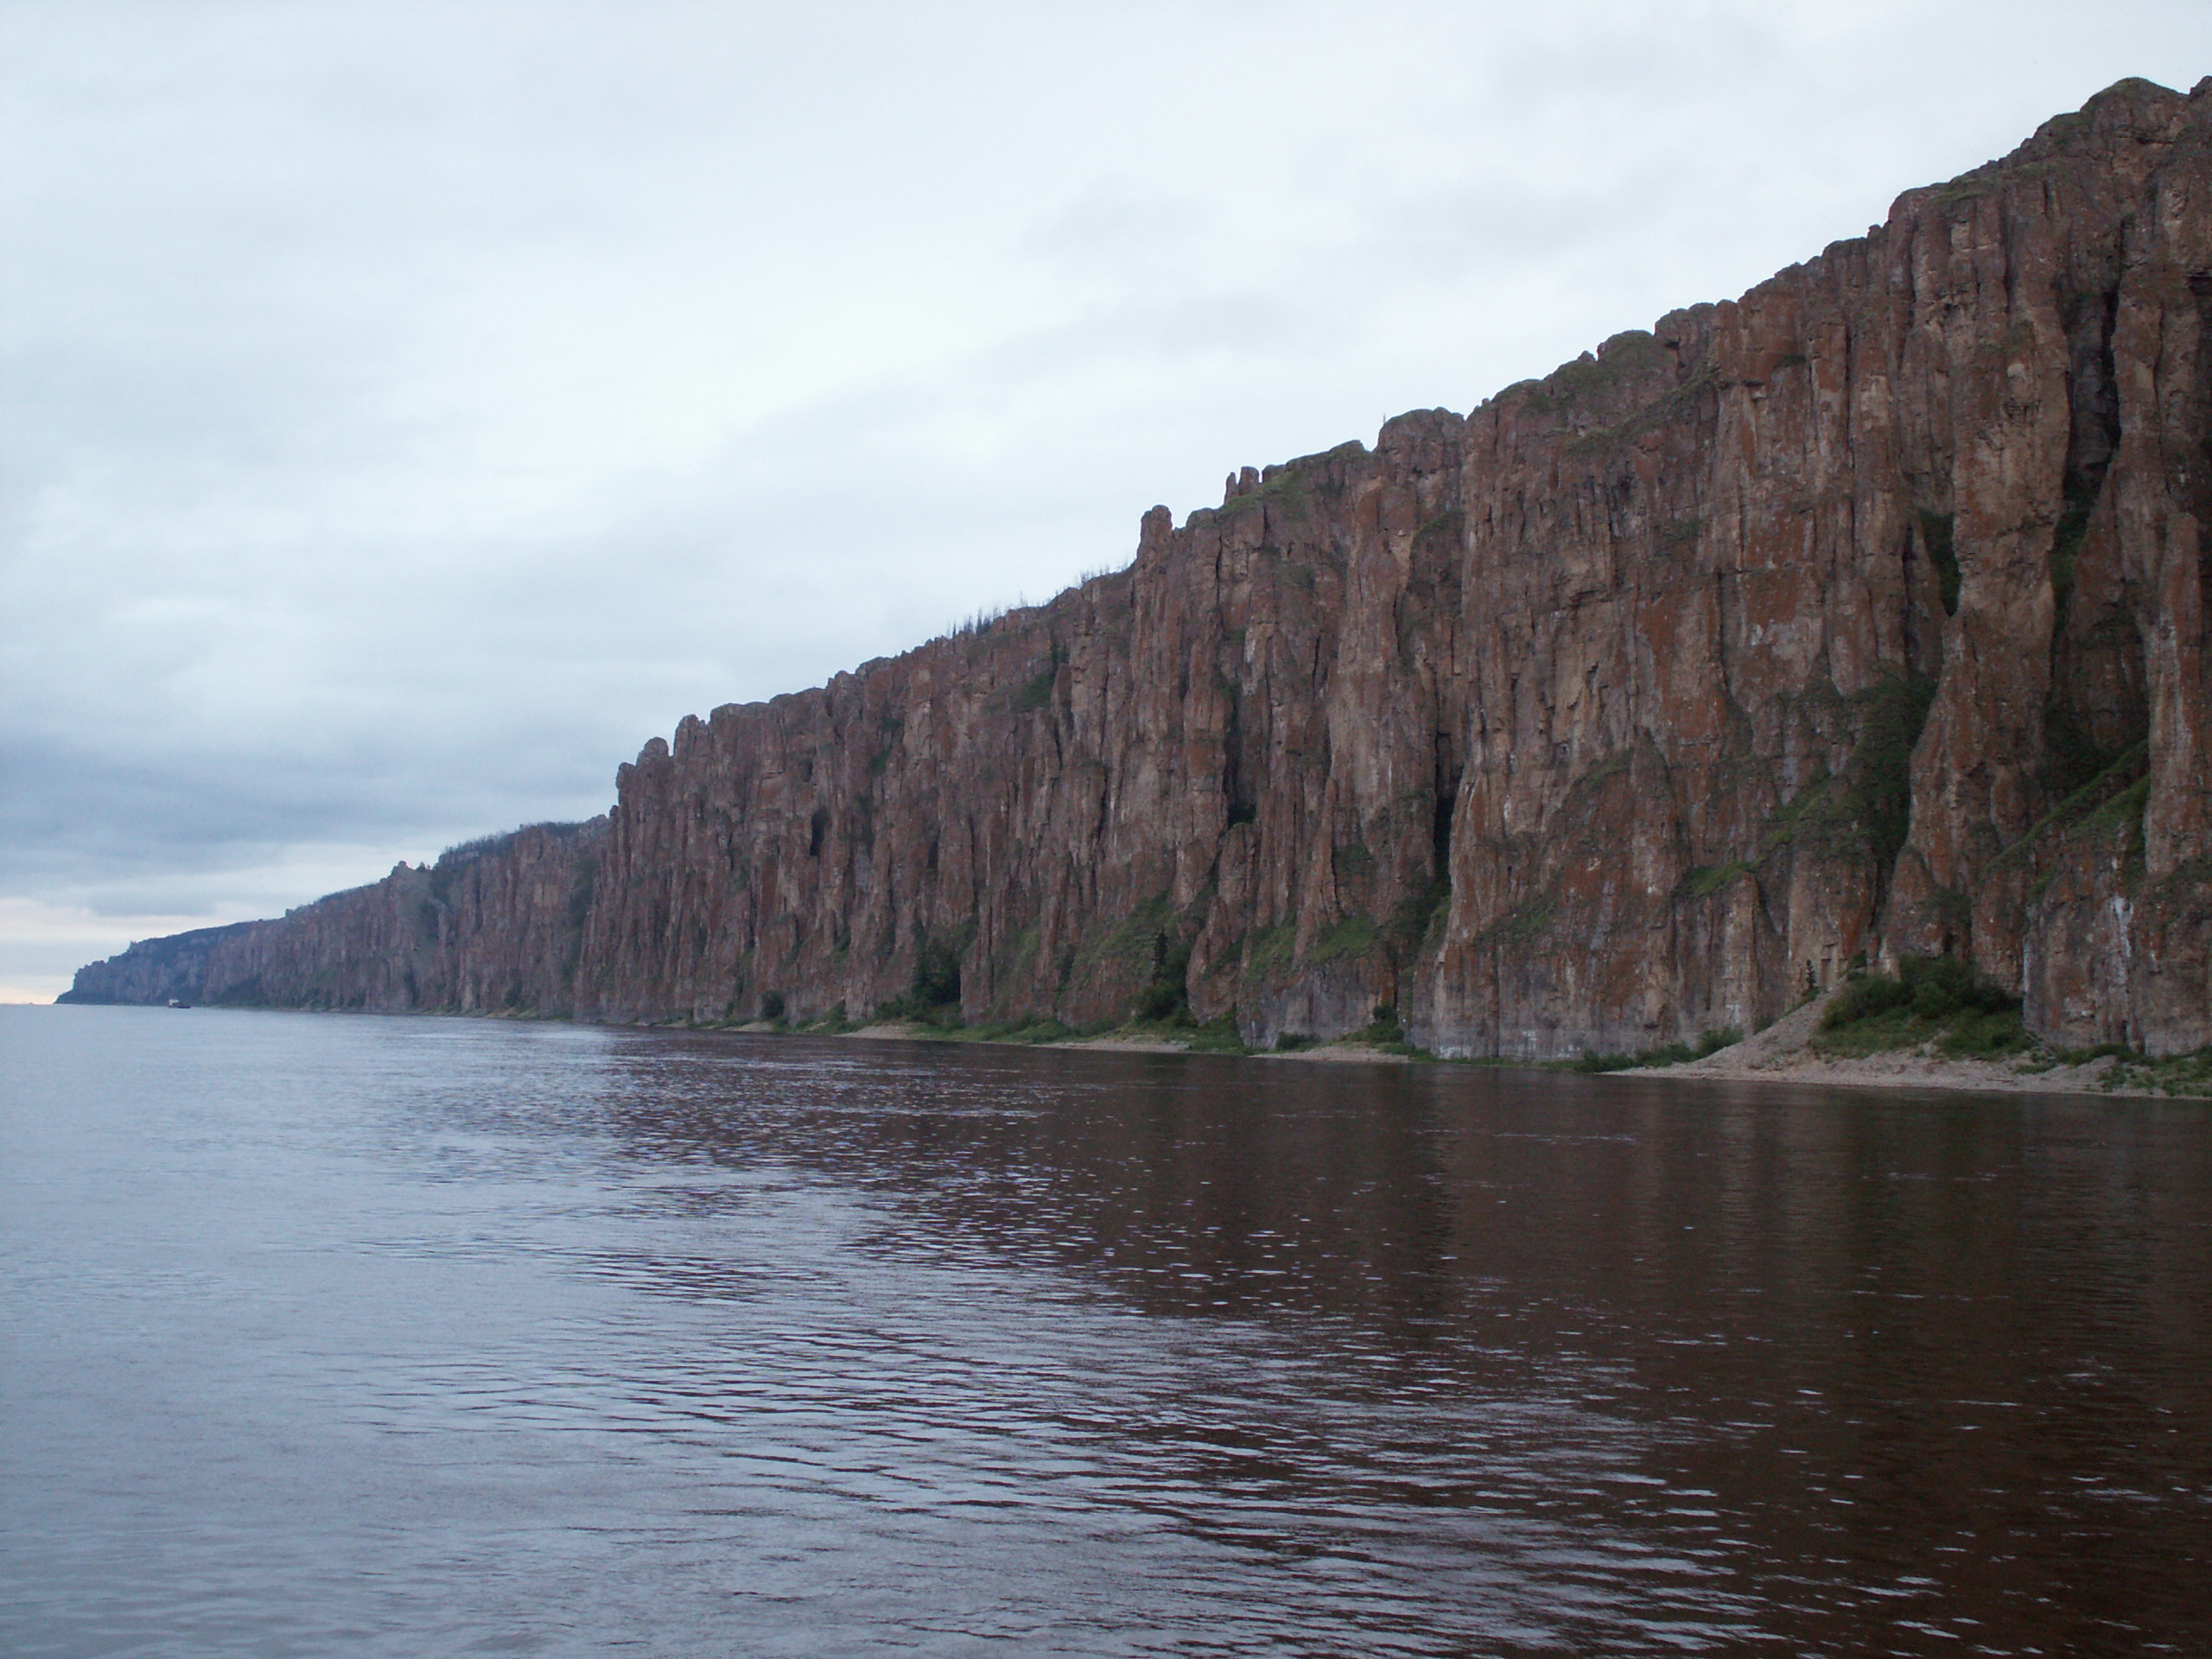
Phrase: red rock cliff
[1864,614]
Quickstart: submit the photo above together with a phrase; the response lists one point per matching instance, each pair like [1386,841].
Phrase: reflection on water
[410,1336]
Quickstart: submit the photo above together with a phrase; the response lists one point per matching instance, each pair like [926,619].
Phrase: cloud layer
[412,410]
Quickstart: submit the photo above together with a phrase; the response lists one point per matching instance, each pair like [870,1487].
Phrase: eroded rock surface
[1864,614]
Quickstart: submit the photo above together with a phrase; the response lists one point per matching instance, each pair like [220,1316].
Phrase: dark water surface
[333,1335]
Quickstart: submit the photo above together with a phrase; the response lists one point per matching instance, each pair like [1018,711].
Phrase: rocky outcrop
[1864,614]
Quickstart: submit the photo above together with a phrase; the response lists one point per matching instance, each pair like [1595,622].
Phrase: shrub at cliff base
[1941,1000]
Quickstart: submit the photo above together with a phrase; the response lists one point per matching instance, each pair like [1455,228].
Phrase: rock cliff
[1864,614]
[493,926]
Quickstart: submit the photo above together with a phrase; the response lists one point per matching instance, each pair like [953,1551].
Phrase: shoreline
[1781,1053]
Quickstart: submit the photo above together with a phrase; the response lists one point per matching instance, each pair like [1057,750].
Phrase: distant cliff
[493,926]
[1864,614]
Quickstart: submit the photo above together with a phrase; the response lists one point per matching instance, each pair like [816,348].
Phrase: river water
[333,1335]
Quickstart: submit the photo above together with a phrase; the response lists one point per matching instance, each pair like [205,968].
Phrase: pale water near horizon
[347,1335]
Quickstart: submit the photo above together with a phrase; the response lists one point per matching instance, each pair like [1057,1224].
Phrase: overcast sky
[408,411]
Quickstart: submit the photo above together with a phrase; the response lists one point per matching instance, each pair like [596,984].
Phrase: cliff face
[493,926]
[1864,614]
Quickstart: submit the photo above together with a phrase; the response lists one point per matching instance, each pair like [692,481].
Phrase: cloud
[411,409]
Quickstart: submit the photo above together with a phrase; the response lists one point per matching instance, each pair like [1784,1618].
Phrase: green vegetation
[1442,534]
[1941,1000]
[2071,757]
[1625,357]
[1894,710]
[1385,1035]
[1710,1042]
[1347,936]
[889,728]
[1216,1036]
[2072,531]
[2179,1074]
[1936,530]
[934,997]
[1133,940]
[581,894]
[1289,484]
[1706,880]
[1285,486]
[1937,1002]
[1037,692]
[1267,952]
[1383,1029]
[2112,799]
[1415,913]
[1033,1028]
[1868,810]
[2123,812]
[834,1023]
[1353,859]
[1167,995]
[1523,925]
[1622,359]
[2187,1075]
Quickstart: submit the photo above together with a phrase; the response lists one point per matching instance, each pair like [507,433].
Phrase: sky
[408,411]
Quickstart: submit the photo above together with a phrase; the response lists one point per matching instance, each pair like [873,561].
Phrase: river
[350,1335]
